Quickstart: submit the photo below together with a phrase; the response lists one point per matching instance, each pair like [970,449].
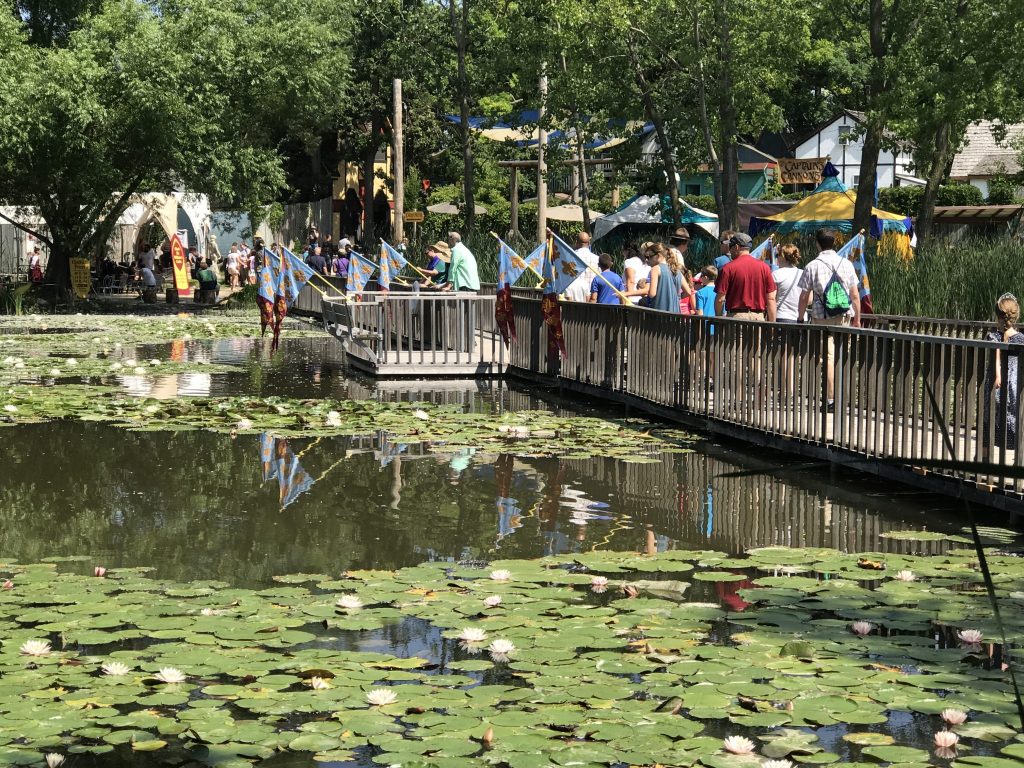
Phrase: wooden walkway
[913,397]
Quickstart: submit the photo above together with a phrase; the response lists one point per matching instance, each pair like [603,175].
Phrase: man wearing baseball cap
[745,288]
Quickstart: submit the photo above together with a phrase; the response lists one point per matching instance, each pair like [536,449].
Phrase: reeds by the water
[959,280]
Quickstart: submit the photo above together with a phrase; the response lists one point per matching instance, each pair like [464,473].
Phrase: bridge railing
[897,396]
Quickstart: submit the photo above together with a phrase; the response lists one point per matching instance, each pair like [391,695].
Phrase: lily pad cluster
[445,428]
[596,659]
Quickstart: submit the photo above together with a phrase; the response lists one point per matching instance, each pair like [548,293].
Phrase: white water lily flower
[70,361]
[154,362]
[946,739]
[170,675]
[11,408]
[492,602]
[115,669]
[139,370]
[738,745]
[501,575]
[905,576]
[381,697]
[776,764]
[501,650]
[243,423]
[116,366]
[187,337]
[212,612]
[54,760]
[862,628]
[55,371]
[473,635]
[319,684]
[19,365]
[349,602]
[35,648]
[152,408]
[598,584]
[130,363]
[333,419]
[969,636]
[420,414]
[954,716]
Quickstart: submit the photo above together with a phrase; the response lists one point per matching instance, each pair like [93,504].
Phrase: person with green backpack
[829,289]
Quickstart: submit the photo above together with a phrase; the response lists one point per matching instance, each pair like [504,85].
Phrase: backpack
[835,299]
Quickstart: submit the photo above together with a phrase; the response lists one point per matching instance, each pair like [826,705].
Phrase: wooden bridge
[913,397]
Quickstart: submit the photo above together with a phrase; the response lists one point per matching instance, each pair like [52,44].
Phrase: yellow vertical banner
[180,264]
[81,278]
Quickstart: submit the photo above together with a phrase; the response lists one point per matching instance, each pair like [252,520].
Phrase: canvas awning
[651,209]
[831,204]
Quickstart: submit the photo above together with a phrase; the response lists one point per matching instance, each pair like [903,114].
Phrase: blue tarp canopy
[652,209]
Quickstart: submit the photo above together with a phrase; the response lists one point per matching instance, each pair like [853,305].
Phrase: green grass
[950,280]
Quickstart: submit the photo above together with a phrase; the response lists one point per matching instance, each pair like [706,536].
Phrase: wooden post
[513,196]
[542,184]
[399,227]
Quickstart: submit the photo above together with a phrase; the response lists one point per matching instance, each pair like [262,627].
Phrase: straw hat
[444,253]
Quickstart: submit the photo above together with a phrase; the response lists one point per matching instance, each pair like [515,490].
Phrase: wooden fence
[900,398]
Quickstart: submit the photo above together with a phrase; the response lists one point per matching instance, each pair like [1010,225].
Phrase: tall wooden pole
[542,184]
[399,228]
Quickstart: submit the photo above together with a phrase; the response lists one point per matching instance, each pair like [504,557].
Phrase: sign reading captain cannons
[806,171]
[180,264]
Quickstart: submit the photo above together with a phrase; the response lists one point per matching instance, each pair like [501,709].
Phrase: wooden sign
[81,278]
[808,171]
[180,264]
[413,217]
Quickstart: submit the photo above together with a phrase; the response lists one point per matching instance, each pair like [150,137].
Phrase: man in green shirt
[462,272]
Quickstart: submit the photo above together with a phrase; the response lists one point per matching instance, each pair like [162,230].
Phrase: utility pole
[399,152]
[542,184]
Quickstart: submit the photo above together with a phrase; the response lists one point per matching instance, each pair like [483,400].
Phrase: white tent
[647,209]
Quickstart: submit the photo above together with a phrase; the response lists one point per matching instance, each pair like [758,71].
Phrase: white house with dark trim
[842,139]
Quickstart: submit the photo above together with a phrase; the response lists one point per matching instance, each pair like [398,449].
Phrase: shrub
[904,200]
[1002,191]
[959,194]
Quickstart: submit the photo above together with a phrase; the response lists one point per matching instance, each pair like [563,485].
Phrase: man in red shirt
[745,285]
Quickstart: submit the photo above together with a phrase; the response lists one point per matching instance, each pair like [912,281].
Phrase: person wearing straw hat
[440,256]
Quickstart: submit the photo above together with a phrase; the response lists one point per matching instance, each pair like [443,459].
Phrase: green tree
[106,98]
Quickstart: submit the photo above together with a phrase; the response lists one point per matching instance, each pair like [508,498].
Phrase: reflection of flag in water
[360,270]
[561,267]
[391,263]
[854,251]
[389,450]
[293,480]
[765,252]
[509,515]
[268,457]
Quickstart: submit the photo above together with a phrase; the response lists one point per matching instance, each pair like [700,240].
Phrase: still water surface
[204,505]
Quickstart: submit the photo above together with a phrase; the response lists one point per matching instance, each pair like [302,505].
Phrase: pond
[658,599]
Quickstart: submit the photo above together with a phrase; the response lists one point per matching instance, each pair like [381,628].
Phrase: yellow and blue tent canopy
[830,205]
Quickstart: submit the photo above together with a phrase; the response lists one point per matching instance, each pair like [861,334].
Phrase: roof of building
[984,155]
[856,116]
[976,214]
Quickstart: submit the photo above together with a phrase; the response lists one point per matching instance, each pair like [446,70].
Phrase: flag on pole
[265,292]
[293,275]
[765,249]
[510,267]
[391,263]
[561,267]
[360,270]
[854,251]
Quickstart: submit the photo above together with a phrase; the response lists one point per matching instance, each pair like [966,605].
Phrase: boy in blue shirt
[706,295]
[600,291]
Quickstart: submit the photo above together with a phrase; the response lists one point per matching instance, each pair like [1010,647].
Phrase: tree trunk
[460,27]
[937,171]
[654,115]
[868,176]
[702,106]
[368,176]
[727,119]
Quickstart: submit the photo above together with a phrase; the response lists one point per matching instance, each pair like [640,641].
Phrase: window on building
[692,189]
[856,181]
[846,135]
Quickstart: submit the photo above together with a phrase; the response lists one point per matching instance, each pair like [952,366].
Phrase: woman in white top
[232,266]
[635,273]
[787,279]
